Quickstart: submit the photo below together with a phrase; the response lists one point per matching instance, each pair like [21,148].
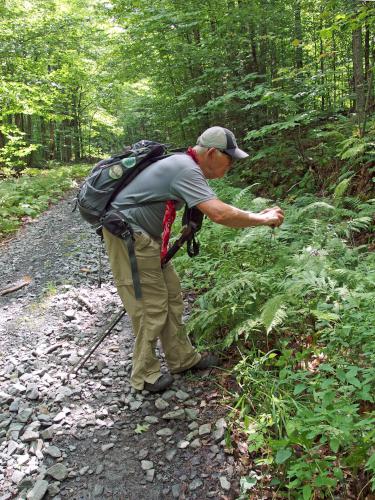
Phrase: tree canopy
[80,79]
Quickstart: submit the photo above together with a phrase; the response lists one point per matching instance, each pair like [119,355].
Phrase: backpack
[110,176]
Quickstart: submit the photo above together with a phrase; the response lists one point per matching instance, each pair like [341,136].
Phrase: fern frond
[238,283]
[244,330]
[318,205]
[340,190]
[359,224]
[244,192]
[273,312]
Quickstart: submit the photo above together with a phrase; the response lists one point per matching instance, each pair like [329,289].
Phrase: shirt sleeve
[191,186]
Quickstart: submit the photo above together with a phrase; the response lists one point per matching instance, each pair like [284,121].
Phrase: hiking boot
[207,361]
[162,383]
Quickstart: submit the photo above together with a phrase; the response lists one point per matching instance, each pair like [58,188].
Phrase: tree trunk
[28,125]
[334,63]
[52,141]
[298,34]
[368,71]
[359,86]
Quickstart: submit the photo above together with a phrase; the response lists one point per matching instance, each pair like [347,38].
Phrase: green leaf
[306,492]
[299,388]
[370,464]
[247,483]
[141,428]
[323,480]
[282,455]
[334,444]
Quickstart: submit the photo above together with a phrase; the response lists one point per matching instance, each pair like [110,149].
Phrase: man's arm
[230,216]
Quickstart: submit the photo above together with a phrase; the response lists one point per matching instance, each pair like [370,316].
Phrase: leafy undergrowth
[295,308]
[28,196]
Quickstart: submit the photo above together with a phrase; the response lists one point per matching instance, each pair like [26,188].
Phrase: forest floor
[91,435]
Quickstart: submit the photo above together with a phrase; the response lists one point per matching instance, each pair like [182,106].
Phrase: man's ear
[211,152]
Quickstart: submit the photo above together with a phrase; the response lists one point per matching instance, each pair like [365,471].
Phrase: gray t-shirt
[177,177]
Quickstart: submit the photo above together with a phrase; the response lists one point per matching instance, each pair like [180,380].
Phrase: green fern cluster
[298,305]
[30,194]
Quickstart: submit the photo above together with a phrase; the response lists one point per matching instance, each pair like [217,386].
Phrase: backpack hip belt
[115,222]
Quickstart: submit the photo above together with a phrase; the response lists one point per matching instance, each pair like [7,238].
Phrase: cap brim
[237,153]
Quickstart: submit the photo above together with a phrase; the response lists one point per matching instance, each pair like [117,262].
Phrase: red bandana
[193,154]
[170,215]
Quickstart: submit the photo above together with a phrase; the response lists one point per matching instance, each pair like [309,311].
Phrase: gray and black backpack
[111,175]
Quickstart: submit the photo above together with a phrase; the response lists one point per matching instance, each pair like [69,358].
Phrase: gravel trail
[91,436]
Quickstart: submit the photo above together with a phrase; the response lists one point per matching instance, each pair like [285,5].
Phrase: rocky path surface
[91,436]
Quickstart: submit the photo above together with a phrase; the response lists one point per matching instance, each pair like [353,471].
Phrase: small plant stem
[365,486]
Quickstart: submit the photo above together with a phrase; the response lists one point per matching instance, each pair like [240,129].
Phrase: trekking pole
[97,342]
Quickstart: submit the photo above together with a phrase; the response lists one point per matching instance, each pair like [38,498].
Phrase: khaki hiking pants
[158,314]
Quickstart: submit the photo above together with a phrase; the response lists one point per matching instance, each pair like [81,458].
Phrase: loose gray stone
[221,423]
[196,443]
[135,405]
[175,415]
[183,444]
[54,489]
[57,471]
[14,406]
[69,314]
[147,464]
[4,424]
[33,394]
[224,483]
[29,435]
[170,454]
[53,451]
[182,396]
[5,398]
[24,415]
[44,417]
[161,404]
[219,434]
[62,393]
[59,417]
[150,419]
[193,426]
[167,395]
[98,490]
[166,431]
[99,469]
[150,474]
[14,430]
[48,433]
[191,414]
[73,359]
[18,388]
[106,447]
[17,476]
[12,446]
[191,435]
[176,491]
[204,429]
[194,485]
[38,491]
[143,453]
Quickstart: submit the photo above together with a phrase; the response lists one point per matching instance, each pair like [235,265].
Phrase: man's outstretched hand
[273,217]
